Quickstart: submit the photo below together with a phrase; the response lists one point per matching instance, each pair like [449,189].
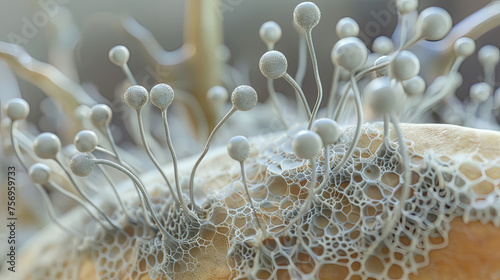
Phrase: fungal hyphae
[349,187]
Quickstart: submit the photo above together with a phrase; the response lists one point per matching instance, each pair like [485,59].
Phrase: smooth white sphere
[46,145]
[307,144]
[101,114]
[136,97]
[405,66]
[350,53]
[119,55]
[86,141]
[434,23]
[39,173]
[406,6]
[218,94]
[307,15]
[380,95]
[383,45]
[82,164]
[238,148]
[273,65]
[414,86]
[464,47]
[244,98]
[347,27]
[328,130]
[480,92]
[16,109]
[162,95]
[270,32]
[489,56]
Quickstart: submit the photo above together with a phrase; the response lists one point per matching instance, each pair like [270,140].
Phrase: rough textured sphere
[82,164]
[349,53]
[307,144]
[307,15]
[16,109]
[273,65]
[238,148]
[39,173]
[162,95]
[136,97]
[244,98]
[46,145]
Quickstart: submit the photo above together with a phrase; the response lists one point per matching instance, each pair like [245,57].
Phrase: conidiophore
[323,199]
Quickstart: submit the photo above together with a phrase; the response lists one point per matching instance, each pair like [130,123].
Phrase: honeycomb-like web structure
[352,229]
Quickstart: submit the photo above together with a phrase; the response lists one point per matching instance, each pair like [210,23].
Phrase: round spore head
[39,173]
[347,27]
[349,53]
[86,141]
[238,148]
[489,56]
[434,23]
[82,164]
[464,47]
[328,130]
[244,98]
[162,95]
[270,32]
[16,109]
[218,94]
[101,114]
[405,66]
[46,145]
[307,144]
[406,6]
[380,95]
[273,65]
[307,15]
[136,97]
[119,55]
[480,92]
[383,45]
[414,86]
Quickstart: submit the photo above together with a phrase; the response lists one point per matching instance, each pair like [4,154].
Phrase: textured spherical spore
[273,64]
[136,97]
[82,164]
[244,98]
[162,95]
[307,15]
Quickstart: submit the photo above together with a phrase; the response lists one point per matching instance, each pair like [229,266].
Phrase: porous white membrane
[343,234]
